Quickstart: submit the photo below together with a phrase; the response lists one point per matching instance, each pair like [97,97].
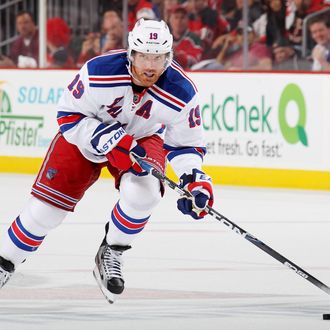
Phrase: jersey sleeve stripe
[174,152]
[168,96]
[162,100]
[110,78]
[109,84]
[67,120]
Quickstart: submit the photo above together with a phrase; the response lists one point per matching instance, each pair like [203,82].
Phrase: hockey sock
[138,197]
[29,229]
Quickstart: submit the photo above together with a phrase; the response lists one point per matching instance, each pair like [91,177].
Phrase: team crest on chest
[114,109]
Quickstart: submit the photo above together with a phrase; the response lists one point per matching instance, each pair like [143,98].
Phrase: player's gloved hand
[122,155]
[199,185]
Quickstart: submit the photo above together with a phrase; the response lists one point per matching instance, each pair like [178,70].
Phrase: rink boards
[261,129]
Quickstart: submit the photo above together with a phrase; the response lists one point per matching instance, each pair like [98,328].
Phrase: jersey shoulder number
[76,87]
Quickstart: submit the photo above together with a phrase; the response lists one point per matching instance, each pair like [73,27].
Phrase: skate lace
[112,263]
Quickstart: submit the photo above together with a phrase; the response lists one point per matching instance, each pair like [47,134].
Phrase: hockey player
[121,105]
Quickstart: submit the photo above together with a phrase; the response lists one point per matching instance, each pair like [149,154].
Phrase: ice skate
[107,272]
[7,269]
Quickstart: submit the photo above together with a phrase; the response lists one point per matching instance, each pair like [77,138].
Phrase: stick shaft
[238,230]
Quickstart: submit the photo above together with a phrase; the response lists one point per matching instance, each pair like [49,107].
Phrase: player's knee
[140,192]
[40,217]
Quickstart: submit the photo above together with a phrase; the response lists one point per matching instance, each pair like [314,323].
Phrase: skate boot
[7,269]
[107,271]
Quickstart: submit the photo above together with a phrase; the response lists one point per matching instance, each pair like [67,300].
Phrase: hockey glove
[120,155]
[199,185]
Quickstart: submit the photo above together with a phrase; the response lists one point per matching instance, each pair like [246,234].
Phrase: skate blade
[109,296]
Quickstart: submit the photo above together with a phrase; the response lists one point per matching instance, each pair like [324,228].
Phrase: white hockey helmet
[151,37]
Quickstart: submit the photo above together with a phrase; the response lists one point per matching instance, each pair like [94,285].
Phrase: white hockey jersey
[99,107]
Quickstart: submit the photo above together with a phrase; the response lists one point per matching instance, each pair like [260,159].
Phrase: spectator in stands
[317,5]
[297,10]
[158,8]
[106,5]
[112,32]
[230,55]
[216,4]
[270,26]
[168,7]
[139,9]
[205,22]
[6,62]
[186,44]
[285,58]
[90,48]
[319,27]
[234,11]
[58,39]
[228,8]
[111,37]
[24,51]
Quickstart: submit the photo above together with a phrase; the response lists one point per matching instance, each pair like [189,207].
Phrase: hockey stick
[238,230]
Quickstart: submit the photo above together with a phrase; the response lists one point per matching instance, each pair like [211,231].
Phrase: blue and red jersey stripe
[172,152]
[67,120]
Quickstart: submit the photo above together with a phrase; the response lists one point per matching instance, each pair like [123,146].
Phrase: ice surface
[180,273]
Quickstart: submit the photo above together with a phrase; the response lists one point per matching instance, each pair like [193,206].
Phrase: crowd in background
[208,35]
